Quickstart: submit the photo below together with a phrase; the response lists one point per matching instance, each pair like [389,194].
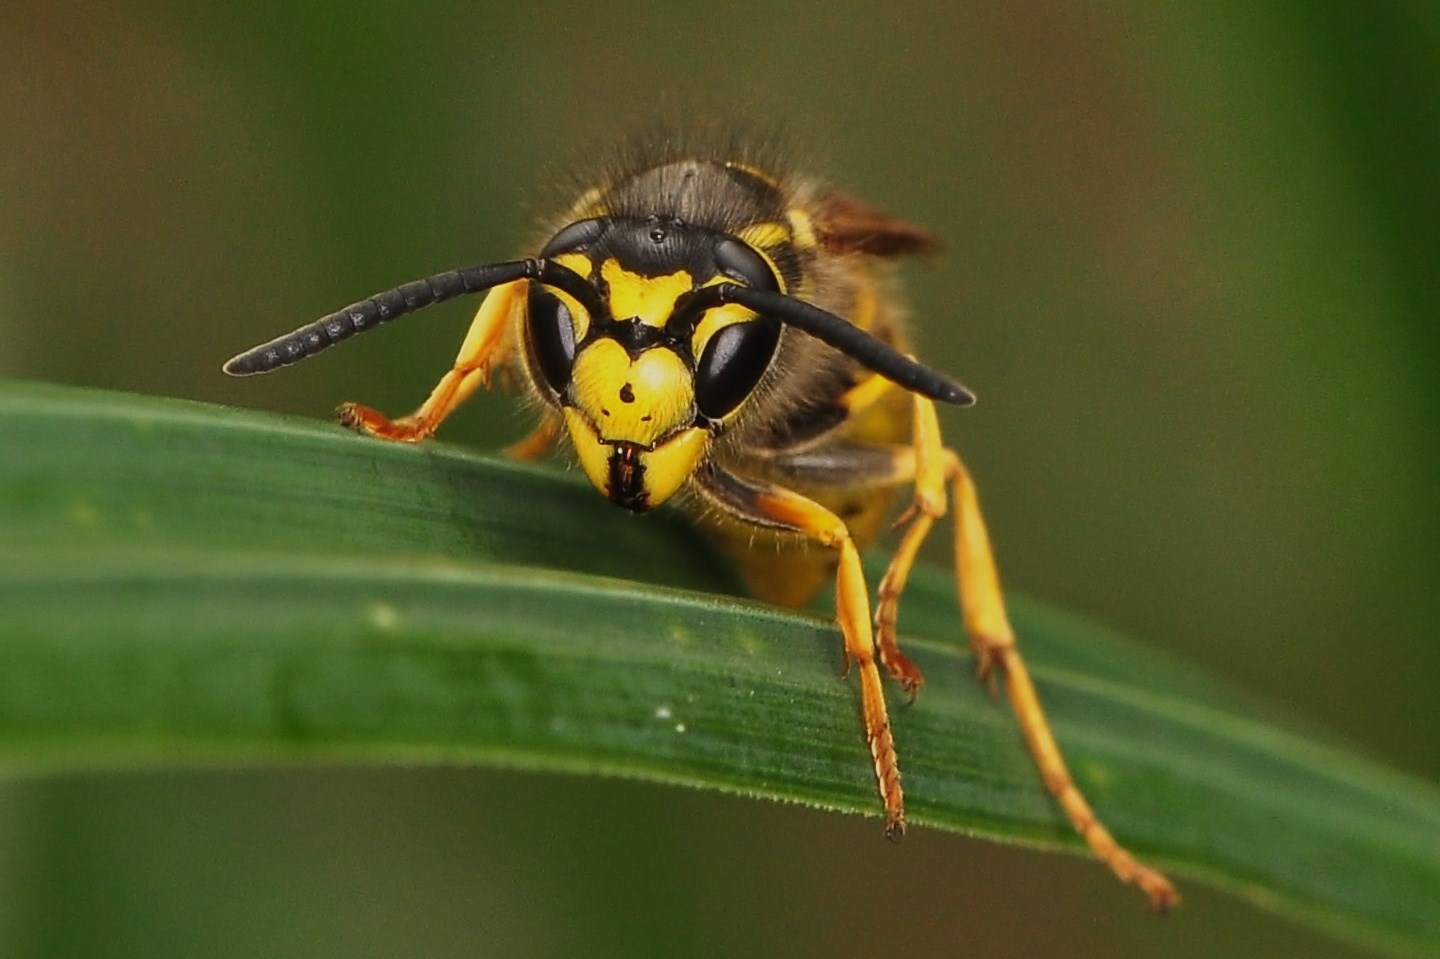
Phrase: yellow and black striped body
[699,328]
[811,402]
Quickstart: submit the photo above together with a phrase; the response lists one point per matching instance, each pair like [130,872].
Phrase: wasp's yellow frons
[650,299]
[640,400]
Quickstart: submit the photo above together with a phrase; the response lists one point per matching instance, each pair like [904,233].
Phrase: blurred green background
[1191,272]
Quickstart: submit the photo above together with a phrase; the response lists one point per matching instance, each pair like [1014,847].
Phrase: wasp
[699,327]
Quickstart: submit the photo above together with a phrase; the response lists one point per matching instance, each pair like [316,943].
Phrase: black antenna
[406,298]
[836,332]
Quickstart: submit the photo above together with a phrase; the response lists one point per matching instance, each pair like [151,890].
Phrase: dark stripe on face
[627,479]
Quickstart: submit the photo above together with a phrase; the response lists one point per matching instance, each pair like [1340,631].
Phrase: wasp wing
[843,224]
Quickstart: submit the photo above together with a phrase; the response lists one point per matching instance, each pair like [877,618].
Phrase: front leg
[485,345]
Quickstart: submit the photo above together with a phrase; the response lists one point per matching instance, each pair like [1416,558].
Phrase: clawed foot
[887,612]
[1160,891]
[363,419]
[990,656]
[903,670]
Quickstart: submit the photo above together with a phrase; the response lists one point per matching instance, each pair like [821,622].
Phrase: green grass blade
[186,584]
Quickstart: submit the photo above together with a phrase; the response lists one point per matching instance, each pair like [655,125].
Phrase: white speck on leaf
[383,616]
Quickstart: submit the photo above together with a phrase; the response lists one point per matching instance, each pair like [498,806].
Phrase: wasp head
[643,371]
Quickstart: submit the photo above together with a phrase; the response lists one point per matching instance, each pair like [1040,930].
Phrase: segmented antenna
[380,308]
[838,333]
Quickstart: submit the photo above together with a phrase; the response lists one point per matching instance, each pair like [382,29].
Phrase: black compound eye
[732,363]
[740,262]
[551,332]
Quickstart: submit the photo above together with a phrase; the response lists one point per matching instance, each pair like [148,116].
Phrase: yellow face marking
[651,299]
[576,262]
[655,475]
[715,320]
[594,455]
[669,465]
[638,401]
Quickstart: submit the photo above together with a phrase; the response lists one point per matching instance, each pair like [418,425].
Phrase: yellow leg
[776,507]
[887,606]
[931,463]
[537,442]
[865,394]
[483,347]
[994,642]
[993,638]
